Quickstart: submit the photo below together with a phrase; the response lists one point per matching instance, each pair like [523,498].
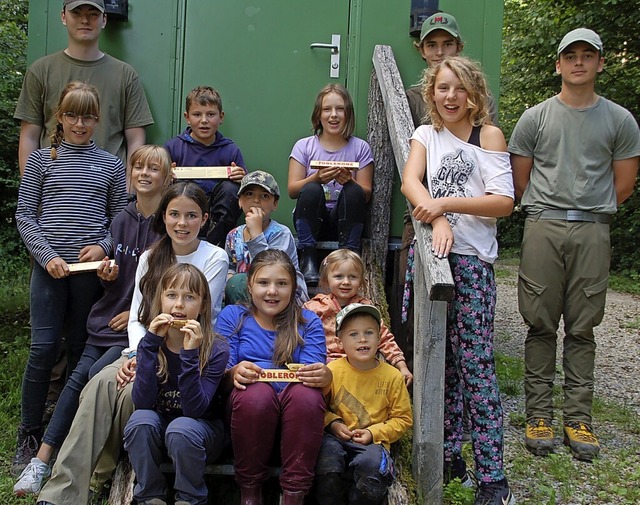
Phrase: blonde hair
[185,276]
[340,256]
[148,155]
[79,97]
[474,82]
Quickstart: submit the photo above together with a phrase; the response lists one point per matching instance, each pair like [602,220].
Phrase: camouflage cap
[262,179]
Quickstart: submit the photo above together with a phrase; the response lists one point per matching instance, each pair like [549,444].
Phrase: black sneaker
[26,449]
[495,493]
[457,469]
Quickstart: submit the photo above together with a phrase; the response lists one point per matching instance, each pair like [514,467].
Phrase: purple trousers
[260,416]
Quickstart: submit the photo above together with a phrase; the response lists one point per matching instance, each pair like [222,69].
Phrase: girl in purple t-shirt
[331,196]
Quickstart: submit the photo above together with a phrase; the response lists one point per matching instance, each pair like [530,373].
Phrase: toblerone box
[202,172]
[353,165]
[87,266]
[278,375]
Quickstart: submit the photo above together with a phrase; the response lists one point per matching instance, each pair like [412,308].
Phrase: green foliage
[532,30]
[455,494]
[510,372]
[13,47]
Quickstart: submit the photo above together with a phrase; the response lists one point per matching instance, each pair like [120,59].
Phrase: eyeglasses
[87,119]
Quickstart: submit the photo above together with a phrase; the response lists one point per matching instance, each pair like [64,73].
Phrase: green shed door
[258,56]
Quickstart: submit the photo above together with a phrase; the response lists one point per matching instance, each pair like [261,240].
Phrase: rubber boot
[309,266]
[251,495]
[293,498]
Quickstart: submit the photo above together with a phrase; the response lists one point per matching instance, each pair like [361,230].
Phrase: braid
[55,138]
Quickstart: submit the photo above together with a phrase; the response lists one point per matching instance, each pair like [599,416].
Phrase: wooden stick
[87,266]
[202,172]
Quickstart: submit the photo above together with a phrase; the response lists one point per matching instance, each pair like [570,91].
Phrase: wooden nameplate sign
[87,266]
[281,375]
[202,172]
[351,165]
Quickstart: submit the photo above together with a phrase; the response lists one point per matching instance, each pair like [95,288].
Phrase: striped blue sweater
[68,203]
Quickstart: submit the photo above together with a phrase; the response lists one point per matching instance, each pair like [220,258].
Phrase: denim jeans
[369,468]
[57,306]
[224,212]
[92,361]
[190,443]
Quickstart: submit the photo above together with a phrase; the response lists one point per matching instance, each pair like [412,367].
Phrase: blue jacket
[185,151]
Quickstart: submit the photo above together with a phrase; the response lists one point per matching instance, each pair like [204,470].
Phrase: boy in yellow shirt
[368,408]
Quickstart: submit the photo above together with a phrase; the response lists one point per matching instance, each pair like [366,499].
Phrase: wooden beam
[433,288]
[379,216]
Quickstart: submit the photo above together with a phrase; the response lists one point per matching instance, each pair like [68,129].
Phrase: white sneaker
[31,478]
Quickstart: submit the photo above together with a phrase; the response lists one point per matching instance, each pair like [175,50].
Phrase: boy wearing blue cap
[575,160]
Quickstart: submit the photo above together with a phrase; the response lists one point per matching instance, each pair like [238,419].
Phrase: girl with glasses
[68,196]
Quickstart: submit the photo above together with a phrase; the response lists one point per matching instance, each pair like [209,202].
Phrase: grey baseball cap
[580,35]
[356,308]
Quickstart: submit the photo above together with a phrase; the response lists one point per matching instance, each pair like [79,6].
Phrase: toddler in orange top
[342,274]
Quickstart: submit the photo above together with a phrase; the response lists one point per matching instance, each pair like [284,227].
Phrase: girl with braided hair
[68,196]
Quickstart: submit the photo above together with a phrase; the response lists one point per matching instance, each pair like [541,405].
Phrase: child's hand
[442,240]
[327,174]
[429,209]
[91,253]
[364,437]
[245,373]
[107,272]
[343,176]
[57,268]
[253,220]
[340,430]
[236,173]
[192,337]
[315,375]
[119,322]
[404,370]
[160,325]
[173,174]
[126,373]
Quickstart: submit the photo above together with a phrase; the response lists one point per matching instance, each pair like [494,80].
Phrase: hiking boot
[581,440]
[31,478]
[494,493]
[457,469]
[26,449]
[538,436]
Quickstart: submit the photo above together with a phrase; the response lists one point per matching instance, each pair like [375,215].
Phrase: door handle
[334,47]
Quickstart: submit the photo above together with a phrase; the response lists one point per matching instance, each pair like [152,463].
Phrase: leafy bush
[13,46]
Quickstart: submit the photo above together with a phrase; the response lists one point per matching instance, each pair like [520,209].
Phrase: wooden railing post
[433,288]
